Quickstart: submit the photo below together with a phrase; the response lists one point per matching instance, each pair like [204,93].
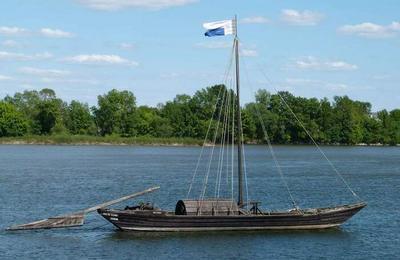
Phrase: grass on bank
[98,140]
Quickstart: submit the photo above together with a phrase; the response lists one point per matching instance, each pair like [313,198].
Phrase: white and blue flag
[219,28]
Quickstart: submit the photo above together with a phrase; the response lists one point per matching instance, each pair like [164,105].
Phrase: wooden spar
[112,202]
[76,218]
[238,119]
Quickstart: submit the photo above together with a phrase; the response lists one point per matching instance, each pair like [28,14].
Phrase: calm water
[41,181]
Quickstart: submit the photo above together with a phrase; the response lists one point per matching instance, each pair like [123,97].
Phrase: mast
[238,118]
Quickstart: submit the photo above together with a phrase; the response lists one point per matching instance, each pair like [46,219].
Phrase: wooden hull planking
[161,221]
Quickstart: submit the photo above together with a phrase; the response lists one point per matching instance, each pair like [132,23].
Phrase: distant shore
[117,140]
[98,140]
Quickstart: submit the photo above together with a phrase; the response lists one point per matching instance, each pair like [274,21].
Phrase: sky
[157,48]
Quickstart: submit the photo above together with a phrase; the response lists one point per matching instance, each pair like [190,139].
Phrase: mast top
[235,26]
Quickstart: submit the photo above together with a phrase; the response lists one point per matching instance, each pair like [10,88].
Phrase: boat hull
[159,221]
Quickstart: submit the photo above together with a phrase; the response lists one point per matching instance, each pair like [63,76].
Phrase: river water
[41,181]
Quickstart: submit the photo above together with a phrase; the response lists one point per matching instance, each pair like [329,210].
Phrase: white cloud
[100,59]
[312,63]
[170,75]
[12,30]
[255,20]
[301,82]
[55,33]
[249,53]
[12,56]
[371,30]
[121,4]
[2,77]
[215,45]
[69,80]
[127,46]
[44,72]
[10,43]
[336,86]
[306,17]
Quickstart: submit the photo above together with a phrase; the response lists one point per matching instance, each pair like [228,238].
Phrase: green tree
[49,112]
[27,103]
[394,127]
[42,109]
[150,123]
[116,113]
[78,118]
[181,117]
[349,119]
[12,122]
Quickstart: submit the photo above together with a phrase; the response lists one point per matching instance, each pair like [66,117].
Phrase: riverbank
[117,140]
[99,140]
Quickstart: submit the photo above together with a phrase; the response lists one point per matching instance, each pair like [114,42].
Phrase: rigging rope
[209,125]
[233,142]
[222,150]
[245,172]
[272,152]
[310,136]
[212,151]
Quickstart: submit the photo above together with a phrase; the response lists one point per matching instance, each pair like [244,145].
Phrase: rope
[245,172]
[233,142]
[312,139]
[209,126]
[272,152]
[202,148]
[212,152]
[222,150]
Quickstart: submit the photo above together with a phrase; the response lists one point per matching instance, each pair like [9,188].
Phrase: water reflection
[230,235]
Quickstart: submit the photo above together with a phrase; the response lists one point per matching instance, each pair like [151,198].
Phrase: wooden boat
[218,213]
[158,220]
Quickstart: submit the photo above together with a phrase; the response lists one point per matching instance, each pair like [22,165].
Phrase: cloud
[316,84]
[69,80]
[44,72]
[10,43]
[12,56]
[371,30]
[101,59]
[312,63]
[170,75]
[2,77]
[108,5]
[302,18]
[55,33]
[127,46]
[12,31]
[215,45]
[249,53]
[255,20]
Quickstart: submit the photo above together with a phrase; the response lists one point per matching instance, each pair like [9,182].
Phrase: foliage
[12,122]
[78,118]
[116,113]
[117,119]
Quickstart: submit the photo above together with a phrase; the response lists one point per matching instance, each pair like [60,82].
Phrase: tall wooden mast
[239,119]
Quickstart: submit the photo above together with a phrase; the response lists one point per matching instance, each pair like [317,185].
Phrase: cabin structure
[211,207]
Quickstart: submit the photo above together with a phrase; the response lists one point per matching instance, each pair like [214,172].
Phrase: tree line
[341,121]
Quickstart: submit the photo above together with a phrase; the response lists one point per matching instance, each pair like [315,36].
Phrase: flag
[219,28]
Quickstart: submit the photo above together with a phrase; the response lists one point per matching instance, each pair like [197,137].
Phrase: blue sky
[156,48]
